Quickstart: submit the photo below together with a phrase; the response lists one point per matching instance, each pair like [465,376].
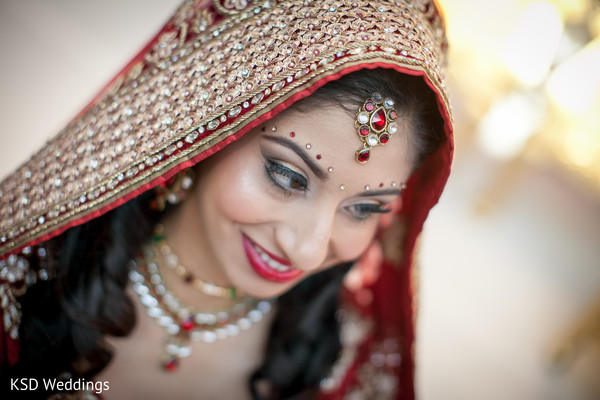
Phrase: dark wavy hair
[66,318]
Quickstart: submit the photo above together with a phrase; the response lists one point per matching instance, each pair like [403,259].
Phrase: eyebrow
[319,173]
[382,192]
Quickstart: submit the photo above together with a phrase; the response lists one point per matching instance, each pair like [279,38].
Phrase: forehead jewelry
[374,124]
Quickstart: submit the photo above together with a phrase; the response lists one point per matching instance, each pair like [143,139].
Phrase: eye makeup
[308,160]
[364,211]
[302,153]
[285,178]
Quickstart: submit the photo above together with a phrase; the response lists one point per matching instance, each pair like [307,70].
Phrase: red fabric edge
[193,161]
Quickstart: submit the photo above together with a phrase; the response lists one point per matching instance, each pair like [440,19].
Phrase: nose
[306,238]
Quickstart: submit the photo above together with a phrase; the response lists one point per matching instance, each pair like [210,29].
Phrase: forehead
[328,134]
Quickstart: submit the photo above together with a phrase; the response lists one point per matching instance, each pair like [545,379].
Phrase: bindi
[367,188]
[273,129]
[308,146]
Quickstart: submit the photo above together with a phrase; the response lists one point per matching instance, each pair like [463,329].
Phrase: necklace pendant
[187,324]
[171,364]
[182,323]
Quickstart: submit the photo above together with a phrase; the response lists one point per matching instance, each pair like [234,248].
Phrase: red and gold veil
[216,70]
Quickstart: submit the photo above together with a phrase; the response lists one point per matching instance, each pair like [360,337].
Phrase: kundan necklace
[182,323]
[172,262]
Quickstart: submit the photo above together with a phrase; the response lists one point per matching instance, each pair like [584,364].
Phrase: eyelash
[275,169]
[359,212]
[363,211]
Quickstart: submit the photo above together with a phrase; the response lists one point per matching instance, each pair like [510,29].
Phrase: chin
[259,288]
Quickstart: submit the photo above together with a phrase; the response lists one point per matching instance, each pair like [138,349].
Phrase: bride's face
[290,199]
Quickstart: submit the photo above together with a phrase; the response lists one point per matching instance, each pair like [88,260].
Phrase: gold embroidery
[202,21]
[196,90]
[375,377]
[16,275]
[353,332]
[228,7]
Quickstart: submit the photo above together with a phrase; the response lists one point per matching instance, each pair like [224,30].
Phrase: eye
[285,178]
[362,211]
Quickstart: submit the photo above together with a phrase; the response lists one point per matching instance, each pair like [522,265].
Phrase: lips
[267,265]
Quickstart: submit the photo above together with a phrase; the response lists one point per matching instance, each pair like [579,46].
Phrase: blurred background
[510,262]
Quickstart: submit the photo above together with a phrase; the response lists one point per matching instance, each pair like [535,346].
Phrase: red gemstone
[369,106]
[171,365]
[187,325]
[384,138]
[292,134]
[378,120]
[363,156]
[364,130]
[319,156]
[393,115]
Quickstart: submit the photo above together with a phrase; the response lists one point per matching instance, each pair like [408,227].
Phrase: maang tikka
[374,124]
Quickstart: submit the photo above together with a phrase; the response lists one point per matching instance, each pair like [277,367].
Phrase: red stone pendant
[171,365]
[187,324]
[362,156]
[378,120]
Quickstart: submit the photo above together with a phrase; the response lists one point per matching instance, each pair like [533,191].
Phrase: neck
[184,233]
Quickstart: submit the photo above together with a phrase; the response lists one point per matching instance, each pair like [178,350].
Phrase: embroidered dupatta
[215,71]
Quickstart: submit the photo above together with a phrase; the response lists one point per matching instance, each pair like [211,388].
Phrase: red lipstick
[263,269]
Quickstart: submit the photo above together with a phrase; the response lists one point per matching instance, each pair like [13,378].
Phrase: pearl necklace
[184,324]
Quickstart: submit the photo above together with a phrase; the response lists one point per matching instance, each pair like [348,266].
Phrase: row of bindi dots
[330,169]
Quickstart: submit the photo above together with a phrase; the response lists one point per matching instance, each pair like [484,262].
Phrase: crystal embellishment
[372,140]
[378,120]
[363,117]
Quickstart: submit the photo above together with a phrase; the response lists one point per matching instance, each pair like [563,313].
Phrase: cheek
[353,241]
[236,193]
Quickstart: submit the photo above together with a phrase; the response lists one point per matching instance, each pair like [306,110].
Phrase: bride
[236,216]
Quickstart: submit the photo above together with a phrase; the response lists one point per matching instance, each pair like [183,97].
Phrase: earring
[174,190]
